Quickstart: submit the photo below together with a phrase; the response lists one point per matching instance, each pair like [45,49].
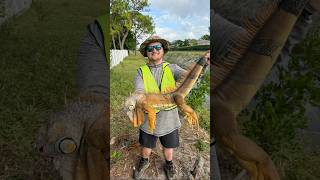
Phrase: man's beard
[156,59]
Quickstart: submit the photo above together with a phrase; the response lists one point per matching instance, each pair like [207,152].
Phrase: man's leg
[169,142]
[147,142]
[168,153]
[145,152]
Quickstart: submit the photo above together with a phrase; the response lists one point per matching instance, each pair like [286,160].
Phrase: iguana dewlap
[138,103]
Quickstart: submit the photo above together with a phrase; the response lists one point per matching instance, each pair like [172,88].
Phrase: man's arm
[177,71]
[93,76]
[138,83]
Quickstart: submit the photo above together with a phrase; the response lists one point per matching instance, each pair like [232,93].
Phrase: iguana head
[53,139]
[130,105]
[61,138]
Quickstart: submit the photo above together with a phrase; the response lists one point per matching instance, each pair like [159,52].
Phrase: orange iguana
[237,74]
[137,104]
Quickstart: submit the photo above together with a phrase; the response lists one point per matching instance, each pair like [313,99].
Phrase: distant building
[203,42]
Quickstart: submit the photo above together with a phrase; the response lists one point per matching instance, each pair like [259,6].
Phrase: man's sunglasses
[151,48]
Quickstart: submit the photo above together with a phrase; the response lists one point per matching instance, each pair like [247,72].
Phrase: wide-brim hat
[151,39]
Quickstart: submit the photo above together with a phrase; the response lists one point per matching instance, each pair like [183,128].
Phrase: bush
[197,98]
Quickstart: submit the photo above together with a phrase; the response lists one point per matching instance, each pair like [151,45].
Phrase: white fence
[117,56]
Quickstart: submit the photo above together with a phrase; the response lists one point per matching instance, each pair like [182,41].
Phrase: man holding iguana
[158,76]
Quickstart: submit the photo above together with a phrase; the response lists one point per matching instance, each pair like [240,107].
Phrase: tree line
[128,24]
[189,42]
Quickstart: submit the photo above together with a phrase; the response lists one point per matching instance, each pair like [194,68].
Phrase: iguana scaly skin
[76,137]
[137,104]
[238,74]
[76,140]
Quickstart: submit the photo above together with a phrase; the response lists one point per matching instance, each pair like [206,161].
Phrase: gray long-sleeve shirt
[166,121]
[93,76]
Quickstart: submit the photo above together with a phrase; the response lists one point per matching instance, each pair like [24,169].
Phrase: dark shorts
[168,141]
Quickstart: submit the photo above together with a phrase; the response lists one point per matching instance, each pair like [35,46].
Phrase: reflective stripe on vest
[167,83]
[102,21]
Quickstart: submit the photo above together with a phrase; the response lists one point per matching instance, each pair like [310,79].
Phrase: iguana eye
[131,107]
[66,145]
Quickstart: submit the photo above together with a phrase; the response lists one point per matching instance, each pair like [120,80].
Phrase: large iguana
[138,103]
[238,71]
[76,137]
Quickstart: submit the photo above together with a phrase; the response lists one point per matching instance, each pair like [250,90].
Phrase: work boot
[142,166]
[170,170]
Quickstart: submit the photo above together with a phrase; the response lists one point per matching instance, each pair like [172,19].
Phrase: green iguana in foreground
[76,137]
[137,104]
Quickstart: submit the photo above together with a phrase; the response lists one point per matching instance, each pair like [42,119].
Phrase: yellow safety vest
[167,83]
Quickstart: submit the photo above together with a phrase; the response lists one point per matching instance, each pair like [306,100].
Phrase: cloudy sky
[180,19]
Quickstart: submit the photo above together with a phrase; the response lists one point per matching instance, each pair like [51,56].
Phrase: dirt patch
[184,157]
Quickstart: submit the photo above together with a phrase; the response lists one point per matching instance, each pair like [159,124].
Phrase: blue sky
[180,19]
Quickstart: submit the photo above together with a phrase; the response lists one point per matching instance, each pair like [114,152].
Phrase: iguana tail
[235,42]
[191,78]
[241,85]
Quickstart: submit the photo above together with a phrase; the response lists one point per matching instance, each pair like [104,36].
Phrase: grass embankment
[38,58]
[122,77]
[121,85]
[192,48]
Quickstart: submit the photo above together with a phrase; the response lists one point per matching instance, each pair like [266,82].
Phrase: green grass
[39,51]
[204,118]
[201,145]
[115,156]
